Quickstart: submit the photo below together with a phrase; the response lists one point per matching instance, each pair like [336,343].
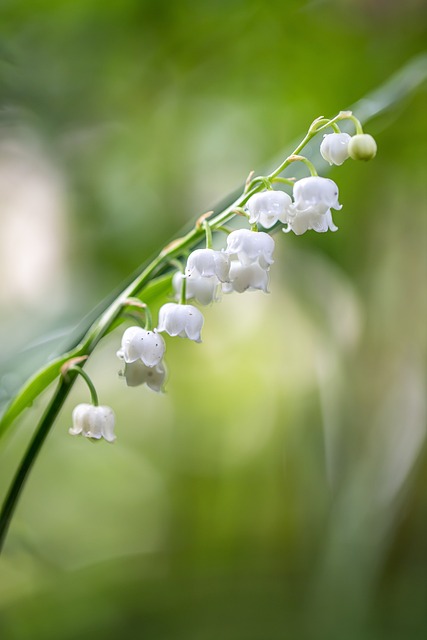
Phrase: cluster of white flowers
[242,265]
[314,197]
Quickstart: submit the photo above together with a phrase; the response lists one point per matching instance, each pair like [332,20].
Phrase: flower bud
[362,147]
[334,147]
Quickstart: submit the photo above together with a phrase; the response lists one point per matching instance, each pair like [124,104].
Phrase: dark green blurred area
[278,490]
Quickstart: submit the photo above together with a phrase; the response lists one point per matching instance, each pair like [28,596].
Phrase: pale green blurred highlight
[278,488]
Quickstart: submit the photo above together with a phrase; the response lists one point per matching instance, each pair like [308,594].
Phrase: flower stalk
[244,278]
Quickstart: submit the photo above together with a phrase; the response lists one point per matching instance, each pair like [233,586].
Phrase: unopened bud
[362,147]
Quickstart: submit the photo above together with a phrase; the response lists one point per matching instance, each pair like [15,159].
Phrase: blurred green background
[278,489]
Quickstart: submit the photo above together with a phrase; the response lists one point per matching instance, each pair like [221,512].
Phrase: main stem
[30,456]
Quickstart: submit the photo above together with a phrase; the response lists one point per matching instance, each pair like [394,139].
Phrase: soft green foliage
[32,389]
[279,488]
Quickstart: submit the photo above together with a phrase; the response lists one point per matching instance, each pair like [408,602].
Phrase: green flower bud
[362,147]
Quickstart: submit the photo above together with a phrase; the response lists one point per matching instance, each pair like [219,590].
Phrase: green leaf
[33,388]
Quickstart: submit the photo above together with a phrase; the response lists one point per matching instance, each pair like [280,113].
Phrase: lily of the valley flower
[269,207]
[313,199]
[246,277]
[137,373]
[208,263]
[251,246]
[334,147]
[182,320]
[139,344]
[93,422]
[315,195]
[204,290]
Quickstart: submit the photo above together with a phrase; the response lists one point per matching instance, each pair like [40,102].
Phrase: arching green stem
[87,379]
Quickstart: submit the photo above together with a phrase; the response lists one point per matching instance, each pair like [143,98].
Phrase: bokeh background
[279,488]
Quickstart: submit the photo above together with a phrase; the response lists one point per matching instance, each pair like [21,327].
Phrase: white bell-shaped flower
[182,320]
[306,220]
[137,373]
[208,263]
[334,147]
[251,246]
[204,290]
[93,422]
[137,343]
[315,195]
[269,207]
[246,277]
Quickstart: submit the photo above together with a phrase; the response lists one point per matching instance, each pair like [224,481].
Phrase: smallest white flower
[334,147]
[251,246]
[182,320]
[269,207]
[204,290]
[208,263]
[139,344]
[137,373]
[93,422]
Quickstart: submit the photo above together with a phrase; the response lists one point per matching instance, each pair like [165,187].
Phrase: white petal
[153,348]
[169,319]
[222,266]
[331,225]
[194,323]
[106,419]
[78,418]
[132,344]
